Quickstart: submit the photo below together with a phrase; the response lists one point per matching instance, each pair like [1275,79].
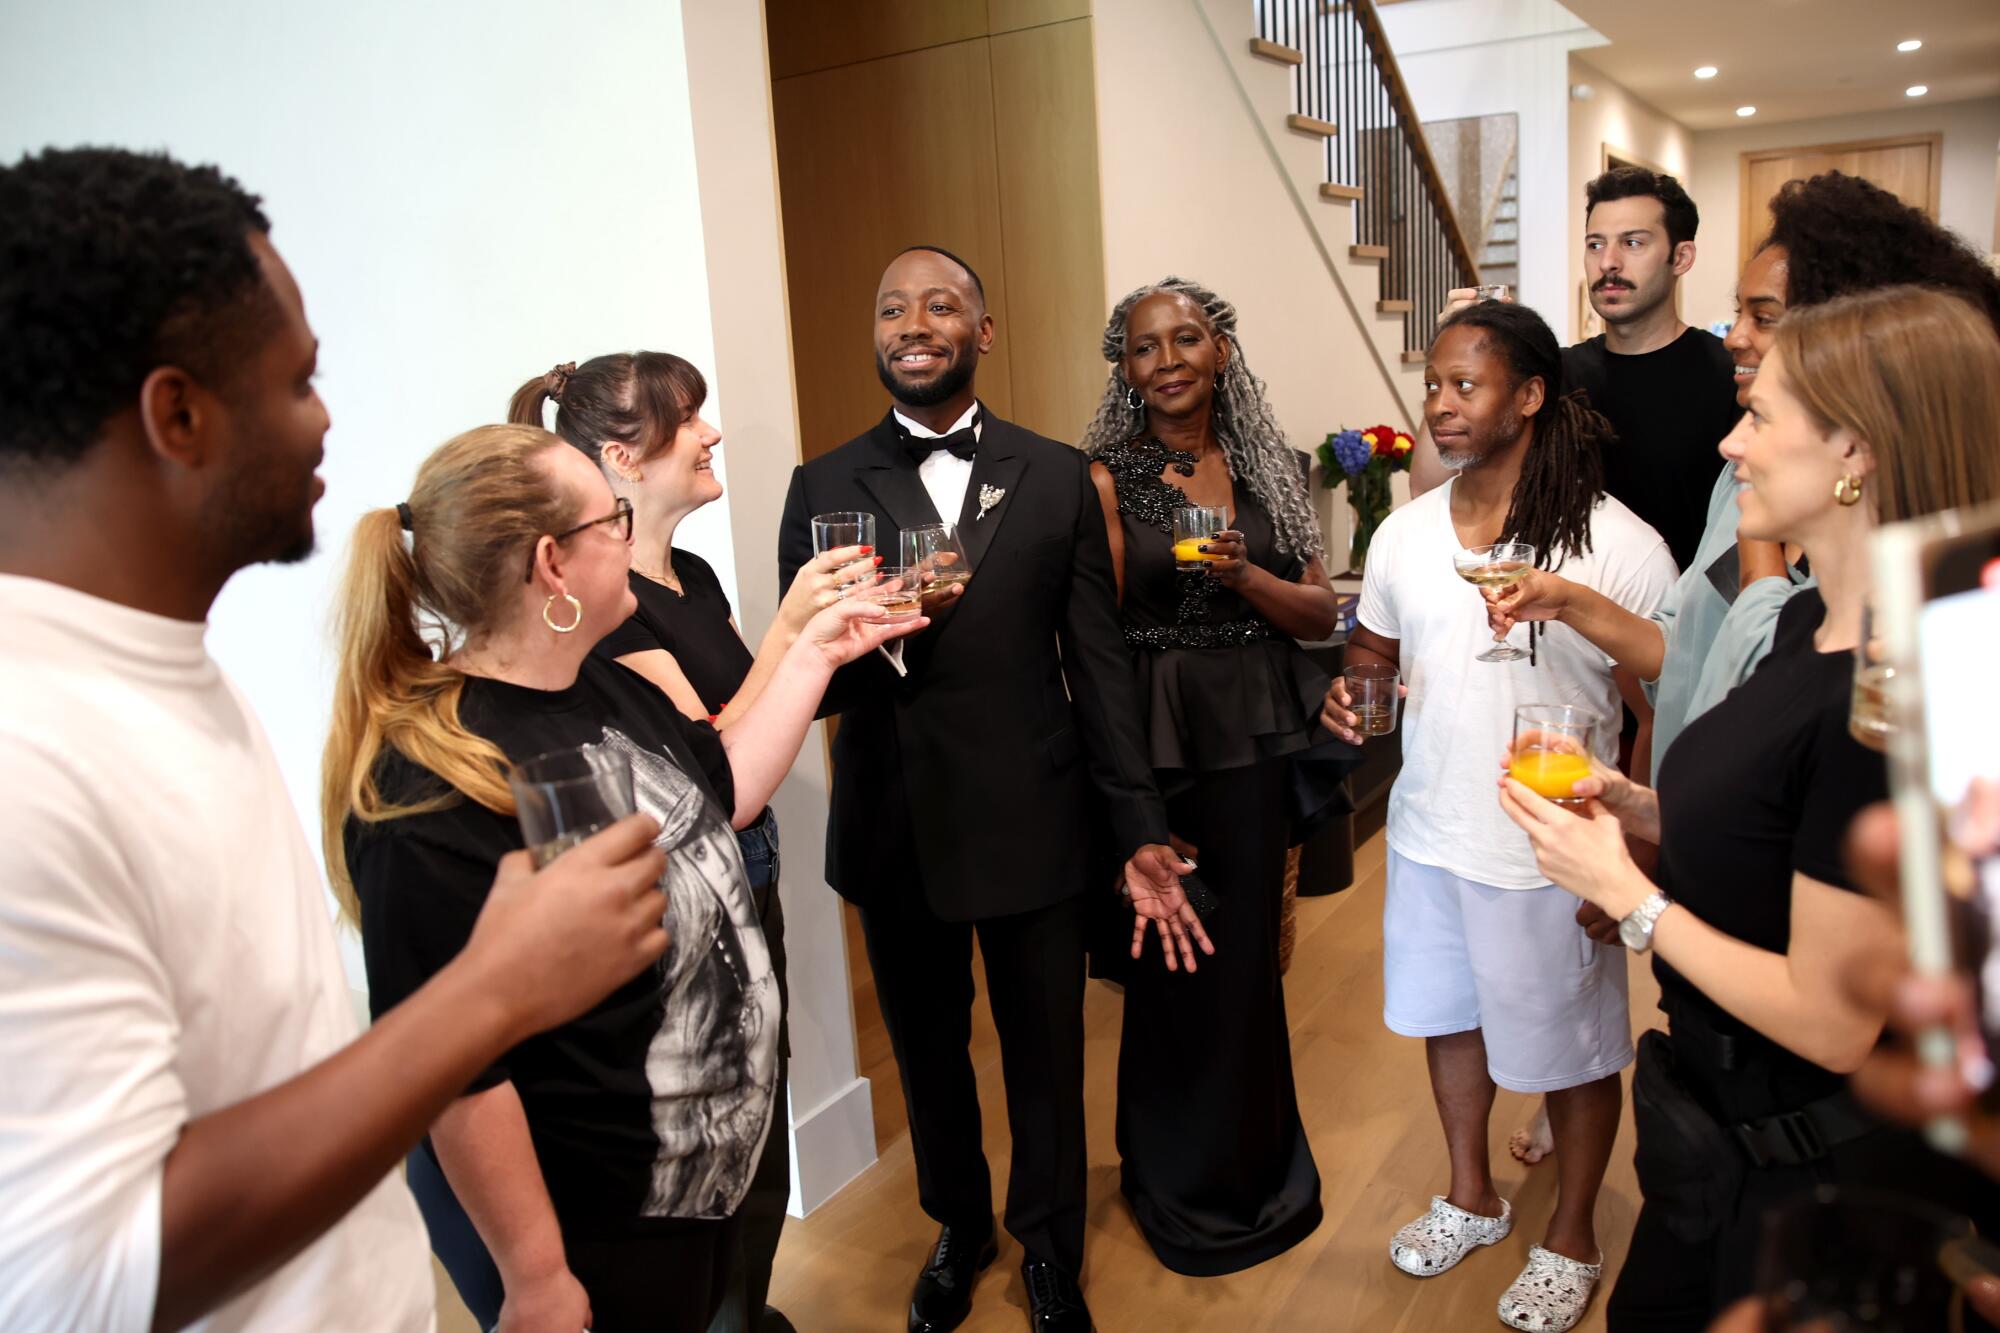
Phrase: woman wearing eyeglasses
[603,1164]
[637,416]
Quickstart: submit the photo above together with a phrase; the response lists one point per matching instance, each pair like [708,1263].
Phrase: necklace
[668,579]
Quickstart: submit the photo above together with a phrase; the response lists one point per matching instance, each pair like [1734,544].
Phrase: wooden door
[1906,167]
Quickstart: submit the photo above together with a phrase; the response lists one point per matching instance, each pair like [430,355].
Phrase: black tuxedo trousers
[968,799]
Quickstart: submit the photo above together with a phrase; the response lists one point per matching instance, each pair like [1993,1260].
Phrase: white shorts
[1459,955]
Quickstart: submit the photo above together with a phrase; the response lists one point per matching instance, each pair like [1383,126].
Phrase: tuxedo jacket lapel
[996,465]
[892,479]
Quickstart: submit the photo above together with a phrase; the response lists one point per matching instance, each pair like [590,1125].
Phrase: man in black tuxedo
[962,797]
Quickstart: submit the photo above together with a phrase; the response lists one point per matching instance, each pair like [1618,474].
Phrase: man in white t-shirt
[1482,957]
[190,1132]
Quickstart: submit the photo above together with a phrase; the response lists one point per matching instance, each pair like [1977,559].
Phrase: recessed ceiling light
[1912,45]
[1746,110]
[1705,72]
[1916,90]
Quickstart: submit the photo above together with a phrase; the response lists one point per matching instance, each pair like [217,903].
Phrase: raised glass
[1552,750]
[1489,569]
[1194,525]
[564,796]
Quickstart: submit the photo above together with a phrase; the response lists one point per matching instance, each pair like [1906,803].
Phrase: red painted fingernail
[878,559]
[866,549]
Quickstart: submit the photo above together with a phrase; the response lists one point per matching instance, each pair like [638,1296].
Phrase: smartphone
[1937,609]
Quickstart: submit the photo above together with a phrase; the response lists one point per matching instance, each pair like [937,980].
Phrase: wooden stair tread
[1368,251]
[1284,55]
[1325,129]
[1395,307]
[1333,190]
[1416,358]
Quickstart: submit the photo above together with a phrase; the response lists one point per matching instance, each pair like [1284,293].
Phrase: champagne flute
[1492,568]
[934,554]
[564,796]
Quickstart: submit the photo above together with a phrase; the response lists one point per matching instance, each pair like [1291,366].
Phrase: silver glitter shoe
[1551,1294]
[1440,1238]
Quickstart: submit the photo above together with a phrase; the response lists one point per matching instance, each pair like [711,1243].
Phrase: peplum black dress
[1215,1161]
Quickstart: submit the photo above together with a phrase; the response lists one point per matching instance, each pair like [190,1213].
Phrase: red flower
[1381,440]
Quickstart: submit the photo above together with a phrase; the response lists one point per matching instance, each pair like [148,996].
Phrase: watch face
[1636,936]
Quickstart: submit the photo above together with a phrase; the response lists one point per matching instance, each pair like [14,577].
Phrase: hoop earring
[1132,398]
[1847,491]
[550,622]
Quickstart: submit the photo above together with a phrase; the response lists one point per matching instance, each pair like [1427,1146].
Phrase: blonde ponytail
[478,505]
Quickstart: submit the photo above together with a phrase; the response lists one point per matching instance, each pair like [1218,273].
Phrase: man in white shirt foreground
[1482,957]
[189,1131]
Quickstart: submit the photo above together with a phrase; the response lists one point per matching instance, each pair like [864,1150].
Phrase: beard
[955,377]
[1483,443]
[264,518]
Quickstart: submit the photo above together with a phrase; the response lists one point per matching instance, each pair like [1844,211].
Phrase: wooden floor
[1367,1107]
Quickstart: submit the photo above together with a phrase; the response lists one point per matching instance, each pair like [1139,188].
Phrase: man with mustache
[962,793]
[1668,390]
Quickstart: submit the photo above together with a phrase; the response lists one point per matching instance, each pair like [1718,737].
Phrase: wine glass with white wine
[1490,568]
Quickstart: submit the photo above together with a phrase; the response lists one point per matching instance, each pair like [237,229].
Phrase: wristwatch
[1636,930]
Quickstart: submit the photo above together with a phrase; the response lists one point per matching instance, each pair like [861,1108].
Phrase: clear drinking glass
[846,528]
[1868,713]
[1492,568]
[936,557]
[1552,750]
[564,796]
[1841,1259]
[899,592]
[1492,291]
[1193,525]
[1372,697]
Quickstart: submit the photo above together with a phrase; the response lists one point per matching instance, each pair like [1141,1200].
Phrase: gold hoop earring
[574,606]
[1847,491]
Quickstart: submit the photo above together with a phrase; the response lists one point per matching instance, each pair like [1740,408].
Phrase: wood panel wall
[972,125]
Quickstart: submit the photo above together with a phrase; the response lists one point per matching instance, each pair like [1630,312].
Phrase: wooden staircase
[1348,93]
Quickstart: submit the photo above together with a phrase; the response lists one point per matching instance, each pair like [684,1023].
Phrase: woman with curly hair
[1216,1165]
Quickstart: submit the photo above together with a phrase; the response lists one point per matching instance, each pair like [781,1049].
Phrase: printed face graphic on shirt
[712,1065]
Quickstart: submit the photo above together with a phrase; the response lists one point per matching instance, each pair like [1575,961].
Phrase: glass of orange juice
[1194,525]
[1552,750]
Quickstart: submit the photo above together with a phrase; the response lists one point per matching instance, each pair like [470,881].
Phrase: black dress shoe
[1055,1302]
[943,1295]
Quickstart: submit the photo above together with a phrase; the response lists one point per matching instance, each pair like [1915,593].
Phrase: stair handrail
[1413,134]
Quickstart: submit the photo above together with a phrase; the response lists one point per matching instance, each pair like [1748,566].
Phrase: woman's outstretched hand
[854,626]
[819,581]
[1153,883]
[1536,595]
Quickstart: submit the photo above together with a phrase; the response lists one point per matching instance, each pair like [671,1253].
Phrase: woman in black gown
[1216,1164]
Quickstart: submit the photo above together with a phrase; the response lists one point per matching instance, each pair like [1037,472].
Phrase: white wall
[468,193]
[1489,57]
[1613,116]
[1965,197]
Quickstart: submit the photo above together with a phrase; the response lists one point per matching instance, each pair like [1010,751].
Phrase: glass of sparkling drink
[1372,697]
[1193,526]
[1551,751]
[1492,291]
[1489,569]
[564,796]
[1868,711]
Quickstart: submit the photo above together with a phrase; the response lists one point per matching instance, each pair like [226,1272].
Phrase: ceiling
[1793,59]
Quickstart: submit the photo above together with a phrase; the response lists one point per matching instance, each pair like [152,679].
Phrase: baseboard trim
[831,1144]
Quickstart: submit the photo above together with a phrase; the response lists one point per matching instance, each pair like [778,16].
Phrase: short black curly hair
[1844,234]
[1682,217]
[112,264]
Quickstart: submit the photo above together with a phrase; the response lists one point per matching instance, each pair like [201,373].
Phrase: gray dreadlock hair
[1253,443]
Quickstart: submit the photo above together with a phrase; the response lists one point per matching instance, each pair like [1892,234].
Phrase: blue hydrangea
[1350,451]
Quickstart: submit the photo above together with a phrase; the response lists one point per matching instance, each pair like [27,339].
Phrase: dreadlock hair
[1253,443]
[1843,234]
[1562,476]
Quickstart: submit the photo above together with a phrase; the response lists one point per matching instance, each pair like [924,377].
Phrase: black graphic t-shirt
[655,1103]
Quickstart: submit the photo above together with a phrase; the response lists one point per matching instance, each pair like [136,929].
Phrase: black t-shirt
[693,625]
[1671,408]
[655,1103]
[1759,787]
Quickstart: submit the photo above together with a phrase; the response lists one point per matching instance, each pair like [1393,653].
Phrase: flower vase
[1368,494]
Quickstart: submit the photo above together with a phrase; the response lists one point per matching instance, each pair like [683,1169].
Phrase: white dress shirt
[944,474]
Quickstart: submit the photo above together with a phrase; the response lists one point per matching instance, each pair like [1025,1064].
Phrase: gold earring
[1847,491]
[574,606]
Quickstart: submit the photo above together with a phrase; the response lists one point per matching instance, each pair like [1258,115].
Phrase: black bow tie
[960,443]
